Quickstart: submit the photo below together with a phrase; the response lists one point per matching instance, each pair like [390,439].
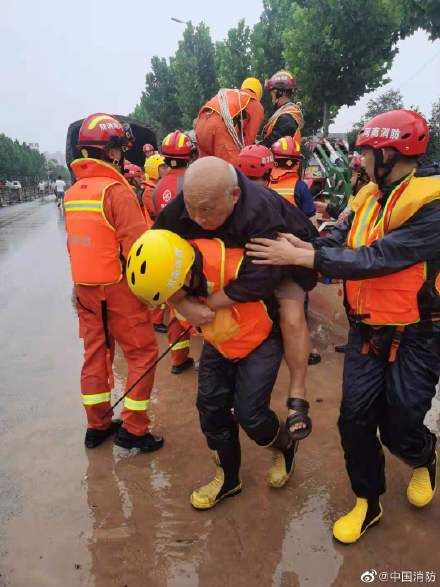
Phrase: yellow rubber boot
[208,496]
[283,458]
[281,469]
[350,527]
[227,459]
[421,488]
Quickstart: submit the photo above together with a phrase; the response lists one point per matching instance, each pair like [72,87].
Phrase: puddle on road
[308,555]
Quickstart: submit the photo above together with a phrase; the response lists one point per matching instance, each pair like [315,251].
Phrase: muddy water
[110,517]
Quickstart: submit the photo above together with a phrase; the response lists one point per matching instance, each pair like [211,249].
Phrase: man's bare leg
[296,341]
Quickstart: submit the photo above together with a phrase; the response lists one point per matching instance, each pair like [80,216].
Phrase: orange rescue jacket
[239,329]
[391,299]
[283,181]
[294,111]
[91,240]
[237,102]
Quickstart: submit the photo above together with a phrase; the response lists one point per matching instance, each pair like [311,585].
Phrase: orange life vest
[91,239]
[294,111]
[391,299]
[237,102]
[239,329]
[283,181]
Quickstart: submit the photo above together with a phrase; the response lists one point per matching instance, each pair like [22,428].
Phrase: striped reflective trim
[184,344]
[91,399]
[360,235]
[287,191]
[95,120]
[83,206]
[136,405]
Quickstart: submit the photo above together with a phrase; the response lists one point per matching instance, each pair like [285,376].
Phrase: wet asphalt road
[109,518]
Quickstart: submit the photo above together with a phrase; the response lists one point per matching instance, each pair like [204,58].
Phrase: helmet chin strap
[382,169]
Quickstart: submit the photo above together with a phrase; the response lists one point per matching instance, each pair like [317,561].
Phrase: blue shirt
[304,198]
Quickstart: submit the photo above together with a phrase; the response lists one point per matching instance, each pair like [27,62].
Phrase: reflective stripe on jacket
[283,181]
[91,240]
[239,329]
[392,299]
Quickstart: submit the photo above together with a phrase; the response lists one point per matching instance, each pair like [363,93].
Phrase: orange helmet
[281,80]
[255,160]
[286,148]
[102,130]
[177,145]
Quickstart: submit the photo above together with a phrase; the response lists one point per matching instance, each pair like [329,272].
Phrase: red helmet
[148,149]
[177,145]
[281,80]
[98,130]
[286,148]
[131,171]
[404,130]
[255,160]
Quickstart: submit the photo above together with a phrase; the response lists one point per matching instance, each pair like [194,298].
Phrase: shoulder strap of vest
[407,199]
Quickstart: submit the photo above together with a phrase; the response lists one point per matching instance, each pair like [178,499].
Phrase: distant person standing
[60,186]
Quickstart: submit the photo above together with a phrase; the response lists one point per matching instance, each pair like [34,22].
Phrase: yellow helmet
[253,84]
[157,265]
[152,164]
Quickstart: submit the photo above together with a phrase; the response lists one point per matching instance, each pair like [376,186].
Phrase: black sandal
[301,407]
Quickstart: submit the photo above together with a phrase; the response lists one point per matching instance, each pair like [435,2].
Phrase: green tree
[339,50]
[193,68]
[389,100]
[233,57]
[267,43]
[19,161]
[158,105]
[267,38]
[54,170]
[433,153]
[423,14]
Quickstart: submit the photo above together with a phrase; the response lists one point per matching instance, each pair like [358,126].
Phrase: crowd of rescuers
[223,240]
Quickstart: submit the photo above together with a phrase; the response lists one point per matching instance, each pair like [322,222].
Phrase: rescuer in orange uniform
[229,121]
[240,359]
[285,176]
[287,120]
[155,169]
[103,219]
[391,267]
[176,149]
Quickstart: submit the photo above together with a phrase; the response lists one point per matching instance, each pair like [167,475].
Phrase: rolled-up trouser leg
[410,386]
[254,380]
[215,398]
[362,401]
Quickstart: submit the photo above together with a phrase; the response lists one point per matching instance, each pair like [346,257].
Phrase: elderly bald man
[219,202]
